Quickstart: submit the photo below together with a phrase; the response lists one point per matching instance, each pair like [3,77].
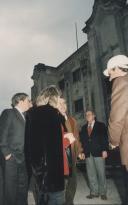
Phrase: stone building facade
[80,76]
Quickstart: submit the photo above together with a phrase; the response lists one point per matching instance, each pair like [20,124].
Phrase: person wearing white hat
[117,71]
[115,66]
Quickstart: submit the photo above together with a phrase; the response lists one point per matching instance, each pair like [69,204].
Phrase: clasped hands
[82,155]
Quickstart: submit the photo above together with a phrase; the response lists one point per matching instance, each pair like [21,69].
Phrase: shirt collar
[20,111]
[91,124]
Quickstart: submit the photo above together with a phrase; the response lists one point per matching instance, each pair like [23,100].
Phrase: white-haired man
[117,70]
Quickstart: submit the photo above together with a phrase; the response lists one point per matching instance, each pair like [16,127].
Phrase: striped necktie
[89,129]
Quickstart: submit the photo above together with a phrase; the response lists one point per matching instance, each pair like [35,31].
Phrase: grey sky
[33,31]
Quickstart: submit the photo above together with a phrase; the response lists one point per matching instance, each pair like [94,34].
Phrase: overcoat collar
[18,115]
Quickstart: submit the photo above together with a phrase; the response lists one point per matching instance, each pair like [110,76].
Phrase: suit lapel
[86,129]
[19,116]
[94,129]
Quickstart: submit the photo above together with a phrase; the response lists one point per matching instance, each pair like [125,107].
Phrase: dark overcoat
[43,142]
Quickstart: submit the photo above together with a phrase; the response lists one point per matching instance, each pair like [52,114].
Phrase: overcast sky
[36,31]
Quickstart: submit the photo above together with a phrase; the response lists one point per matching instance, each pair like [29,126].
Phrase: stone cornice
[40,67]
[106,6]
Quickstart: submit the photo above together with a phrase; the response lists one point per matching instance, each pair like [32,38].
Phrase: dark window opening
[79,105]
[76,76]
[61,84]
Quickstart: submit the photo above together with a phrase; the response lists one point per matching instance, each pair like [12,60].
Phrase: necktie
[89,129]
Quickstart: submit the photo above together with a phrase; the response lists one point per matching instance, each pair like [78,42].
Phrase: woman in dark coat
[44,147]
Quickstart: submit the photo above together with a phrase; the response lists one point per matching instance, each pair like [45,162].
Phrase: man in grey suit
[12,128]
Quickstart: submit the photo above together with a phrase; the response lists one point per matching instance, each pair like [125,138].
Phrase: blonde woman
[44,147]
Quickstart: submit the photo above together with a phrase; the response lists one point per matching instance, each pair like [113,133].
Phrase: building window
[61,84]
[76,76]
[84,70]
[78,105]
[83,65]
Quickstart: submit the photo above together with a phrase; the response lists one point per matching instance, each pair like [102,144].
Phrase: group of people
[39,141]
[42,142]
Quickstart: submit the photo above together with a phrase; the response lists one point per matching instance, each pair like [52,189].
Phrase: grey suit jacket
[12,128]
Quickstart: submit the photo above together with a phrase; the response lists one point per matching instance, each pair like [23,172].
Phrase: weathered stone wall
[80,76]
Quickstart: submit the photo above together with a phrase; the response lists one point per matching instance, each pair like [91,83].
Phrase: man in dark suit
[12,128]
[95,145]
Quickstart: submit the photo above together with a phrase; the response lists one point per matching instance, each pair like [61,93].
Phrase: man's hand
[104,154]
[81,156]
[8,157]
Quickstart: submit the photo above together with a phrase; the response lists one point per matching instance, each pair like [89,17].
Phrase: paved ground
[114,187]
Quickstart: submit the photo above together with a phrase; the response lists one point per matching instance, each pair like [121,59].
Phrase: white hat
[116,61]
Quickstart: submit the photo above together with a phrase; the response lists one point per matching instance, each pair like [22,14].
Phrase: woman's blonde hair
[49,95]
